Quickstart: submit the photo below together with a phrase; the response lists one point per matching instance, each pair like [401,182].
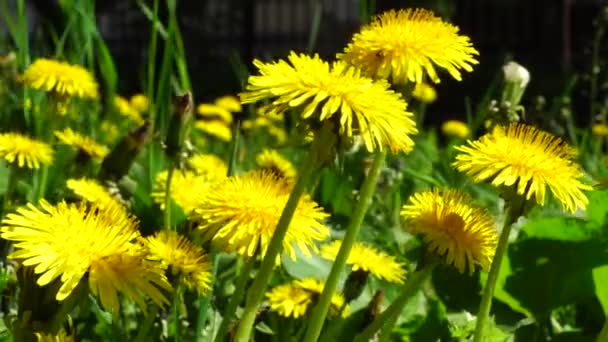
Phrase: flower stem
[513,213]
[235,147]
[235,299]
[168,197]
[255,294]
[147,324]
[317,318]
[388,318]
[176,313]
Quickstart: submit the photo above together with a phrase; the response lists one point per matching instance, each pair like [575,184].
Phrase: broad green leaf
[600,278]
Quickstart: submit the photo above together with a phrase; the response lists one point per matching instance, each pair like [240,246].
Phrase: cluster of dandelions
[98,241]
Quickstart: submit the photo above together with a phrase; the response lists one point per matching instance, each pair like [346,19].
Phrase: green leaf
[307,266]
[559,228]
[600,278]
[597,209]
[548,274]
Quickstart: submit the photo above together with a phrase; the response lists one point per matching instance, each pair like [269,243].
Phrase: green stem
[168,206]
[203,302]
[256,291]
[176,313]
[145,327]
[388,318]
[235,147]
[317,318]
[316,23]
[513,213]
[235,299]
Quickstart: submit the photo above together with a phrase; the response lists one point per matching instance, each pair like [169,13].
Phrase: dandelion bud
[516,80]
[181,115]
[118,162]
[355,283]
[516,73]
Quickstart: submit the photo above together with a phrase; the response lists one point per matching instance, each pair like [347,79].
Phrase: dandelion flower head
[424,93]
[69,241]
[600,130]
[61,336]
[456,129]
[186,188]
[83,143]
[184,258]
[273,161]
[214,112]
[406,45]
[229,103]
[92,191]
[61,78]
[216,128]
[356,104]
[241,213]
[208,165]
[125,109]
[25,151]
[368,259]
[452,226]
[293,299]
[140,103]
[527,159]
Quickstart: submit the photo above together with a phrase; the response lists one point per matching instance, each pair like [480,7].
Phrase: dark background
[552,38]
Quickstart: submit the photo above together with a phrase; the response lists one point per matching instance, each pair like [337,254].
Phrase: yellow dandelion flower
[453,226]
[600,130]
[110,131]
[208,165]
[273,161]
[527,159]
[424,93]
[69,241]
[60,78]
[213,112]
[295,298]
[218,129]
[24,151]
[140,103]
[278,133]
[368,259]
[185,259]
[125,109]
[455,128]
[92,191]
[186,188]
[229,103]
[59,337]
[83,143]
[406,45]
[356,104]
[241,213]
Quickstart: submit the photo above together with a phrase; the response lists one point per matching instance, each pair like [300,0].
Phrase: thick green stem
[145,327]
[256,291]
[204,302]
[177,301]
[513,213]
[168,206]
[235,299]
[317,319]
[315,25]
[388,318]
[235,147]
